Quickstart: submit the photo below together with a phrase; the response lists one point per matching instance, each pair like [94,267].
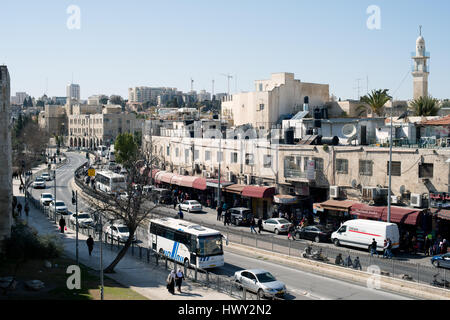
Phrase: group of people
[387,248]
[175,279]
[436,246]
[356,264]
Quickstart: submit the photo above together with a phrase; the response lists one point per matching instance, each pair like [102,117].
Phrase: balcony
[416,69]
[426,55]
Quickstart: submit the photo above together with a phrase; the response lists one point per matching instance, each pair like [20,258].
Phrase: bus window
[210,245]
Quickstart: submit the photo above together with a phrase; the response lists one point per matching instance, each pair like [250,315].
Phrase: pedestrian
[27,209]
[387,249]
[90,244]
[339,261]
[348,262]
[227,217]
[174,199]
[179,279]
[180,213]
[171,282]
[219,213]
[19,209]
[373,248]
[357,264]
[260,225]
[291,232]
[444,246]
[252,225]
[427,246]
[62,224]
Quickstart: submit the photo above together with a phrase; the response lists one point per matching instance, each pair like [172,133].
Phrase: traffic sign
[91,172]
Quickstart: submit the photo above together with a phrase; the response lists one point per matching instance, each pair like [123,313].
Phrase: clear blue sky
[164,43]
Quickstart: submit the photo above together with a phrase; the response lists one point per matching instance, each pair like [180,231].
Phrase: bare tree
[130,209]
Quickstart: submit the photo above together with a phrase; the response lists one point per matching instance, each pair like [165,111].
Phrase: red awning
[402,215]
[337,205]
[154,172]
[164,177]
[364,211]
[176,179]
[188,181]
[199,183]
[258,192]
[234,188]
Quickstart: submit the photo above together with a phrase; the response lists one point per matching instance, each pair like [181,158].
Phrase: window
[249,161]
[234,157]
[207,155]
[261,106]
[318,164]
[177,152]
[396,168]
[168,151]
[342,166]
[425,170]
[186,155]
[260,87]
[267,161]
[365,167]
[196,154]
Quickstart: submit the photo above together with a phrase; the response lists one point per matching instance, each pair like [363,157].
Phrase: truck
[360,233]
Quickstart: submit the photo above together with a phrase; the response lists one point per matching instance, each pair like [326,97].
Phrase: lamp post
[75,202]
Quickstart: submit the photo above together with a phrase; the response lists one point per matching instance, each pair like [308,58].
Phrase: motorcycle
[315,255]
[441,284]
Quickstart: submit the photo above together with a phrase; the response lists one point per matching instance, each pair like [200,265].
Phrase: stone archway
[71,142]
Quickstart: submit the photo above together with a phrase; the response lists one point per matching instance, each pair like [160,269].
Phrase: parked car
[191,206]
[316,233]
[60,207]
[39,183]
[118,232]
[277,225]
[241,216]
[84,219]
[46,177]
[163,196]
[46,199]
[442,260]
[261,282]
[146,190]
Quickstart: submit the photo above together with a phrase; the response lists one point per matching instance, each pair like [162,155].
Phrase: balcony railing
[426,55]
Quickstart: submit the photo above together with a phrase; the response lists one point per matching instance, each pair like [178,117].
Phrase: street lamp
[75,202]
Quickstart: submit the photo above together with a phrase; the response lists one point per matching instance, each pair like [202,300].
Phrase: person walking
[427,246]
[180,213]
[19,209]
[260,225]
[387,249]
[179,279]
[62,224]
[219,213]
[291,232]
[90,244]
[373,248]
[227,218]
[27,209]
[171,282]
[252,225]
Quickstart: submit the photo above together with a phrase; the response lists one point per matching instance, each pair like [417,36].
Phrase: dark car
[241,216]
[316,233]
[441,261]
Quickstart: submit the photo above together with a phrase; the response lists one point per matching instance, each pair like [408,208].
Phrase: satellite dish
[354,184]
[349,130]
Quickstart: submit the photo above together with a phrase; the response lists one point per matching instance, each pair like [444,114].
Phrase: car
[191,206]
[46,199]
[241,216]
[261,282]
[316,233]
[163,196]
[39,183]
[60,207]
[84,219]
[46,177]
[118,232]
[441,261]
[277,225]
[146,190]
[123,196]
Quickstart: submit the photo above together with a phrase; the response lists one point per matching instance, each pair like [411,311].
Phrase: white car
[39,183]
[118,232]
[191,206]
[60,207]
[261,282]
[123,196]
[84,219]
[46,177]
[277,225]
[45,199]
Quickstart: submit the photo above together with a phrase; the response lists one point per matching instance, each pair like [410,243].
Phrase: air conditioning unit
[416,200]
[369,193]
[334,192]
[395,200]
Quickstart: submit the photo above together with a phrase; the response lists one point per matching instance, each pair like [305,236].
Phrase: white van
[360,233]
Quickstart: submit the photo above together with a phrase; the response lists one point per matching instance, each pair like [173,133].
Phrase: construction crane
[229,76]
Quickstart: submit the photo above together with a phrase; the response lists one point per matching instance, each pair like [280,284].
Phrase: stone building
[5,155]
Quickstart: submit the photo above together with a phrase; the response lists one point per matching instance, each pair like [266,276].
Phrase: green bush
[25,243]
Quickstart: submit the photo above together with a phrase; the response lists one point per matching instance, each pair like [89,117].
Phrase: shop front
[232,196]
[287,204]
[334,213]
[260,200]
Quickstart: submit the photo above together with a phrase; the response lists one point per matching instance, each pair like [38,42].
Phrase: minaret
[5,155]
[420,70]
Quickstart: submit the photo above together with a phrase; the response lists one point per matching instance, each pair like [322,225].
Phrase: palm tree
[376,101]
[425,106]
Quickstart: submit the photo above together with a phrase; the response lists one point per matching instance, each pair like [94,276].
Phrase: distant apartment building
[53,120]
[278,96]
[73,92]
[92,130]
[145,94]
[203,95]
[6,191]
[19,98]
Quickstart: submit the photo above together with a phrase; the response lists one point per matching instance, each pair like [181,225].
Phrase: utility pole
[101,257]
[75,201]
[54,188]
[219,202]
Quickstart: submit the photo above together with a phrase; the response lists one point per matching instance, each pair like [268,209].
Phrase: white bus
[187,243]
[110,182]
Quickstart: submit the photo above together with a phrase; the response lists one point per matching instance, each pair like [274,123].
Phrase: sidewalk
[146,279]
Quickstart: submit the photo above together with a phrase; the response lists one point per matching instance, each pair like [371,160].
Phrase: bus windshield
[210,245]
[118,180]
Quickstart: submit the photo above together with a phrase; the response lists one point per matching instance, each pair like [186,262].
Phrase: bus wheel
[186,263]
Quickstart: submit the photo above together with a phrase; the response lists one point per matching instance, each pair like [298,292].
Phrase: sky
[122,44]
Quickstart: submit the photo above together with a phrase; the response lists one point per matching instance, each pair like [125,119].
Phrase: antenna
[212,92]
[359,88]
[420,30]
[228,77]
[192,85]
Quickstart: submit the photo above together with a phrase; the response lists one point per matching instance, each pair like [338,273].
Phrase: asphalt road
[301,285]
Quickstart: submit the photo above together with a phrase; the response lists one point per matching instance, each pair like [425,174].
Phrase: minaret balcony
[415,56]
[425,69]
